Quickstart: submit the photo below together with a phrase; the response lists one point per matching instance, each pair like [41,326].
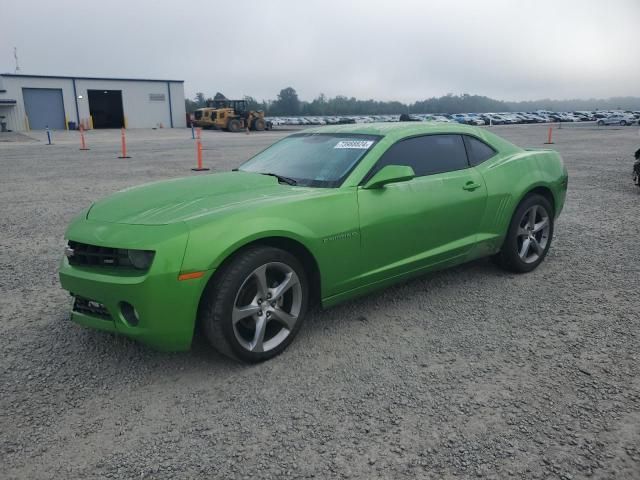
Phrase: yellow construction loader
[230,115]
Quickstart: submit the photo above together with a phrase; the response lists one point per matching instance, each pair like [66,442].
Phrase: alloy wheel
[267,307]
[533,233]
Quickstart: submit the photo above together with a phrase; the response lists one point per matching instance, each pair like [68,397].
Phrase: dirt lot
[471,372]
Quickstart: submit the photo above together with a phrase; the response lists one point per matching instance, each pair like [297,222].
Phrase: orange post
[83,145]
[549,137]
[199,168]
[124,144]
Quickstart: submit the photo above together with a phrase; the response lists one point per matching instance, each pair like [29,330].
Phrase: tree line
[287,103]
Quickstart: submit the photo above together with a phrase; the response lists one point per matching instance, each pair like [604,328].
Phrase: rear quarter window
[477,150]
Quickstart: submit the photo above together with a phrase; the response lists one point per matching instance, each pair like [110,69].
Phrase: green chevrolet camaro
[317,218]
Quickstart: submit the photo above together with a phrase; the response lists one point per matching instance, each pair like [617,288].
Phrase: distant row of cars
[623,118]
[545,116]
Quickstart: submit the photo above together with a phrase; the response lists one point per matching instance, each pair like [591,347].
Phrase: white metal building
[40,101]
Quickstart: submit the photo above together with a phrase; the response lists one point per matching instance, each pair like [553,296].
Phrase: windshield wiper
[287,180]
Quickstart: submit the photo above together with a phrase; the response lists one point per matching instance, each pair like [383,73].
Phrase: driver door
[425,221]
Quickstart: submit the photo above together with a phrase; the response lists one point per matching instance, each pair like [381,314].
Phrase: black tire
[219,299]
[600,123]
[508,257]
[623,123]
[259,124]
[234,125]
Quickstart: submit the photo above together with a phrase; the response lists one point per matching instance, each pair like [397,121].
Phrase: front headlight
[141,259]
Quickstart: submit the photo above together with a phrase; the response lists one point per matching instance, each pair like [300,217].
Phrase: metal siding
[140,112]
[17,117]
[10,116]
[177,105]
[44,107]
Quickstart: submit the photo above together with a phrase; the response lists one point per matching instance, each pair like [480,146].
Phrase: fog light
[129,313]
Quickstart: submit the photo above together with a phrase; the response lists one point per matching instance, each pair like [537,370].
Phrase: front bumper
[166,307]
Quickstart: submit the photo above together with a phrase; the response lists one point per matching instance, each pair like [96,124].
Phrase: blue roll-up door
[44,108]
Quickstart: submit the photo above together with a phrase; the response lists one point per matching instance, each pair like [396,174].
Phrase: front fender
[209,245]
[326,225]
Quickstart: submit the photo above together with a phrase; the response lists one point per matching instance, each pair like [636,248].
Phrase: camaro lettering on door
[340,236]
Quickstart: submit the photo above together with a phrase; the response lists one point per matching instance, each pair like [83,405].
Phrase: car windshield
[312,159]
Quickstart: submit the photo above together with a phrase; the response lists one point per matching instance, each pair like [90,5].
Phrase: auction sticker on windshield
[357,144]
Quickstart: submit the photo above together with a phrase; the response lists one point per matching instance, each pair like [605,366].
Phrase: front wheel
[254,308]
[600,123]
[529,236]
[234,125]
[623,123]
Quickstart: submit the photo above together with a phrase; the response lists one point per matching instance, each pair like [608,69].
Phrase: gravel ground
[471,372]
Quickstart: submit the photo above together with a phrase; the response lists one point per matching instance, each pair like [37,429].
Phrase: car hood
[183,199]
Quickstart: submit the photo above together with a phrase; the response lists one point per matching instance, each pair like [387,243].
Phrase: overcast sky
[397,49]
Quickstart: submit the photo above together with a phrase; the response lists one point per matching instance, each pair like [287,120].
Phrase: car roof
[396,131]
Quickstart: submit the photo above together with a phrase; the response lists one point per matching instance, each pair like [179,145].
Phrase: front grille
[83,254]
[91,307]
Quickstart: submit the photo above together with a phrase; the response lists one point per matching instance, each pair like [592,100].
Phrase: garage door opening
[105,107]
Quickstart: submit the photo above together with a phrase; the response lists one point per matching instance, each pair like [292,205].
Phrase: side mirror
[390,174]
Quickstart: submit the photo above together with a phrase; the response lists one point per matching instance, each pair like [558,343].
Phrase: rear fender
[510,179]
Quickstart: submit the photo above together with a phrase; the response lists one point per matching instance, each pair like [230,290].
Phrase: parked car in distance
[585,116]
[405,117]
[493,119]
[436,118]
[617,119]
[537,118]
[467,119]
[458,117]
[346,120]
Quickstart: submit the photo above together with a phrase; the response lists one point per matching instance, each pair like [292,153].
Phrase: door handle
[470,186]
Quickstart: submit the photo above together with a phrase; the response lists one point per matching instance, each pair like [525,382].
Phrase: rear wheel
[529,236]
[256,305]
[623,123]
[601,123]
[259,124]
[234,125]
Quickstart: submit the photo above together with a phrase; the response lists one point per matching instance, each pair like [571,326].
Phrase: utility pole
[15,55]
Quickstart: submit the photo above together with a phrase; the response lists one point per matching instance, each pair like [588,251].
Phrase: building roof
[67,77]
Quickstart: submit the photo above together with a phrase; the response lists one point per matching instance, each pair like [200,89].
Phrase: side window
[477,150]
[427,155]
